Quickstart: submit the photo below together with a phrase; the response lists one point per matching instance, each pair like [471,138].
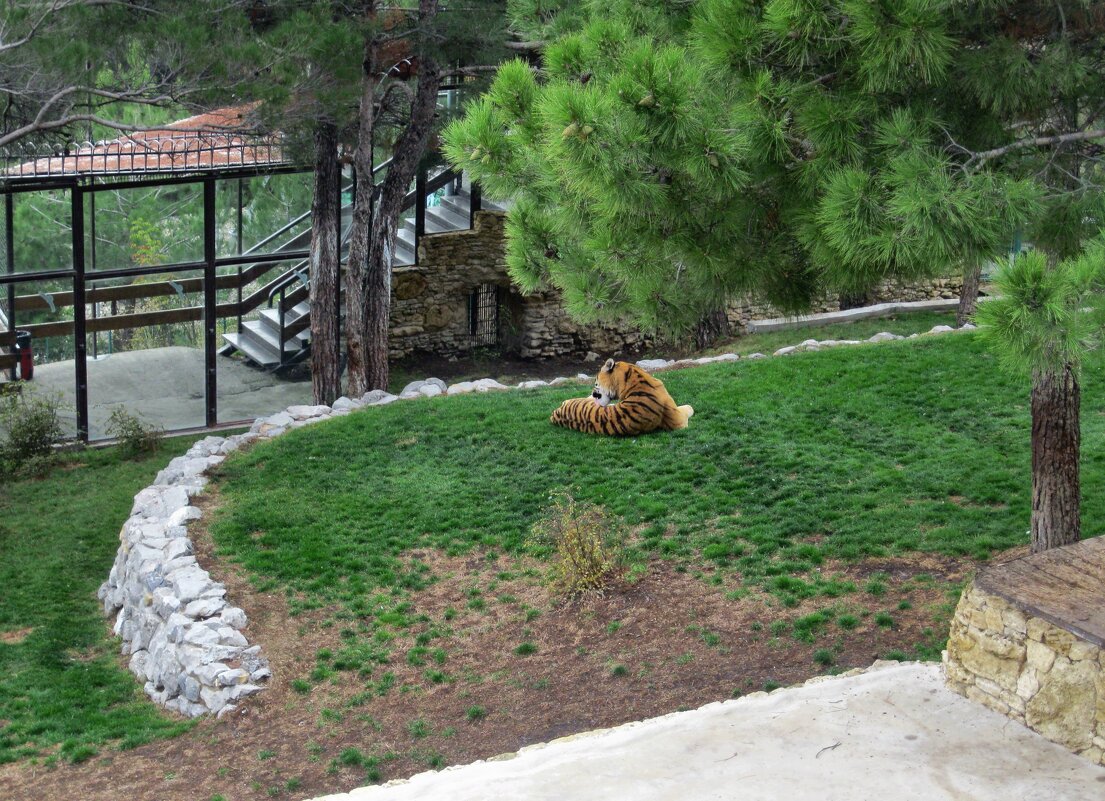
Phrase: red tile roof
[209,141]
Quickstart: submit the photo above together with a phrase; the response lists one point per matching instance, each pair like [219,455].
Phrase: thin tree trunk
[968,295]
[360,242]
[384,218]
[325,267]
[711,328]
[1055,451]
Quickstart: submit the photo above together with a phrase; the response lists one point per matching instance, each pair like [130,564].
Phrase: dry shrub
[587,543]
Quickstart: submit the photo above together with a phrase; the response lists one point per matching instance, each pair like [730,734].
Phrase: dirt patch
[485,662]
[15,637]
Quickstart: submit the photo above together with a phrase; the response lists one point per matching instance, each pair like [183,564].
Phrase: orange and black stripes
[644,406]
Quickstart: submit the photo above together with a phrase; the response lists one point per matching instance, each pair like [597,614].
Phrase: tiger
[626,401]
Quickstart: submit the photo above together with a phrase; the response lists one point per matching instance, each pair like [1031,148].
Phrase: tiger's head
[611,382]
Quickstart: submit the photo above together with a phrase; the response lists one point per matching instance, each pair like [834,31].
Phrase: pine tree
[669,156]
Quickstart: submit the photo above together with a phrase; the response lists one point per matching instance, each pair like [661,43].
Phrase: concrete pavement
[892,733]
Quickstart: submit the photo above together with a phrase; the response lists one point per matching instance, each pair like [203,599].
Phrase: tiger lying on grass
[644,406]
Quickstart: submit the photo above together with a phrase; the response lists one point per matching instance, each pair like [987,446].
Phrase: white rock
[430,390]
[307,412]
[808,342]
[583,376]
[488,384]
[968,327]
[204,607]
[183,515]
[725,357]
[560,380]
[233,616]
[648,365]
[461,388]
[940,329]
[344,404]
[382,400]
[787,350]
[591,356]
[532,384]
[883,336]
[231,636]
[278,420]
[756,356]
[374,396]
[189,582]
[228,678]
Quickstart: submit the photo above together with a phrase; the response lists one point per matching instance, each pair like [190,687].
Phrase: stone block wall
[1025,667]
[430,302]
[183,637]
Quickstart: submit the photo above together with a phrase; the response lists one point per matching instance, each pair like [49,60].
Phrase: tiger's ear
[609,366]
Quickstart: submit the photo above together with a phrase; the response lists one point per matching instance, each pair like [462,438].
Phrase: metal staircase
[280,336]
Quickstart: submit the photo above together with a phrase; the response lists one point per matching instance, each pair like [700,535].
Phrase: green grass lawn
[862,451]
[60,682]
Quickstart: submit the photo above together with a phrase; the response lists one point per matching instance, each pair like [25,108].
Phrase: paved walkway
[893,733]
[166,385]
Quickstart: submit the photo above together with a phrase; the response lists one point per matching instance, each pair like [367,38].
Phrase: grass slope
[869,450]
[60,680]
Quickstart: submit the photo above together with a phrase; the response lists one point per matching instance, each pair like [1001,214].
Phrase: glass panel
[50,344]
[145,350]
[258,215]
[250,378]
[143,227]
[42,231]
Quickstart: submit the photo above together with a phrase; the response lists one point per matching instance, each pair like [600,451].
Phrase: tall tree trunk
[711,328]
[360,242]
[968,295]
[325,267]
[1055,450]
[375,228]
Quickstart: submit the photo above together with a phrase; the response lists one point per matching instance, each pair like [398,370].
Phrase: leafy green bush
[31,427]
[588,544]
[134,435]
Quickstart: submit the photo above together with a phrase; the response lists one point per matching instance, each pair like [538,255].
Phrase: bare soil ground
[669,641]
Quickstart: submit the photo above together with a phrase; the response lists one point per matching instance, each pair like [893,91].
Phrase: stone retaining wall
[430,302]
[1029,669]
[183,636]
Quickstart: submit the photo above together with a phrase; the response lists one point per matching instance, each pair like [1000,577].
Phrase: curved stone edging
[183,635]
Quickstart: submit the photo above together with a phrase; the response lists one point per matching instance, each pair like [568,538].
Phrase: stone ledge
[1003,654]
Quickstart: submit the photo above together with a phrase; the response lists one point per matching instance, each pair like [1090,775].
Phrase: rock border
[183,636]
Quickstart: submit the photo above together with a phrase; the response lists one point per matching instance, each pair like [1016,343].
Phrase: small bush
[134,435]
[474,713]
[31,423]
[587,542]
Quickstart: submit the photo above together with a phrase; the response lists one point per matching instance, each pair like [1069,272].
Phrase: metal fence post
[79,330]
[210,297]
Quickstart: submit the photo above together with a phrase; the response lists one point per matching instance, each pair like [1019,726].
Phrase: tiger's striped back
[644,406]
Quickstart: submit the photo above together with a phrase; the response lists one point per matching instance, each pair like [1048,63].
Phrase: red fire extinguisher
[26,357]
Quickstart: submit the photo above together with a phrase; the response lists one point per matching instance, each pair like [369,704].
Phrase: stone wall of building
[1029,669]
[430,302]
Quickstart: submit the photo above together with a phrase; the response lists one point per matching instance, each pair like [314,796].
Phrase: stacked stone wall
[1025,667]
[430,302]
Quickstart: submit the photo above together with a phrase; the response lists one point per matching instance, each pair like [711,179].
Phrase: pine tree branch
[1039,141]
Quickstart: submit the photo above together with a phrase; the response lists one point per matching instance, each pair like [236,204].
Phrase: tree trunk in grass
[711,328]
[1055,449]
[325,269]
[376,215]
[968,295]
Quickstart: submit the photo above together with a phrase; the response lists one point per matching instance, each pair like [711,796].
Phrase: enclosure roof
[214,140]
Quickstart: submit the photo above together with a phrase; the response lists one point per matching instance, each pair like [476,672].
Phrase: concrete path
[850,315]
[893,733]
[165,386]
